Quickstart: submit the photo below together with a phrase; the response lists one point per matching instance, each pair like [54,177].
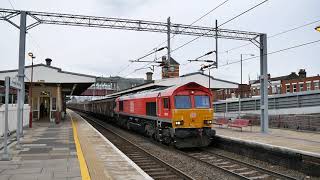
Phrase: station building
[50,88]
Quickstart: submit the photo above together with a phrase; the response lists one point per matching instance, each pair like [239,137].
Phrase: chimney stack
[172,71]
[48,61]
[302,73]
[149,76]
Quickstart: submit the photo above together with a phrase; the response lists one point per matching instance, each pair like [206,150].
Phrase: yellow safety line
[83,165]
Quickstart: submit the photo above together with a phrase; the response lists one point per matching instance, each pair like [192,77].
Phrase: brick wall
[301,84]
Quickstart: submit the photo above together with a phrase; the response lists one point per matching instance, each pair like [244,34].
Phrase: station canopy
[47,76]
[197,77]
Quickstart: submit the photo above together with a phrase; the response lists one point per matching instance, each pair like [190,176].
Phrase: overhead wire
[233,18]
[206,14]
[11,4]
[273,52]
[224,23]
[197,20]
[275,35]
[219,25]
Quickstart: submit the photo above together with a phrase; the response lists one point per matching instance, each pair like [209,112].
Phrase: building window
[274,89]
[278,89]
[316,85]
[294,87]
[288,88]
[300,87]
[308,86]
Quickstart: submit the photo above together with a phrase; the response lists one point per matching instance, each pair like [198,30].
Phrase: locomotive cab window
[182,102]
[166,103]
[120,105]
[202,101]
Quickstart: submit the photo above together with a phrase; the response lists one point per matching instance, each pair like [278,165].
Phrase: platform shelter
[50,88]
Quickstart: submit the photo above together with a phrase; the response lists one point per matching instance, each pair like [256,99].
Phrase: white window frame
[287,88]
[316,84]
[308,85]
[294,87]
[301,87]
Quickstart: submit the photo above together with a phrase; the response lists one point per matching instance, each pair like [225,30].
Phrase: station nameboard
[15,83]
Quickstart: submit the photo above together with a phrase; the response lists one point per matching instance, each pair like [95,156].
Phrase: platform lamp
[30,54]
[317,28]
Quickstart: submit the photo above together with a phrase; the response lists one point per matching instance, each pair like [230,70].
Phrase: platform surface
[290,139]
[48,152]
[103,159]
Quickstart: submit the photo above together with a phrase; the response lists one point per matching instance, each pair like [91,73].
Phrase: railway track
[231,166]
[238,168]
[153,166]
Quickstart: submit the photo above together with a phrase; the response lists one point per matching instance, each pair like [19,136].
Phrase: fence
[283,101]
[299,111]
[12,117]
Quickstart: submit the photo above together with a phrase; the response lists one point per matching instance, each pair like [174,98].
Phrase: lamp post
[240,89]
[30,90]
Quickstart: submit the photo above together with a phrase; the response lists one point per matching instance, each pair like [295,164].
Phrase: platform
[296,141]
[72,149]
[103,159]
[48,152]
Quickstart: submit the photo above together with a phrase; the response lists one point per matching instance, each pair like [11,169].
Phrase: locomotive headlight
[179,123]
[207,121]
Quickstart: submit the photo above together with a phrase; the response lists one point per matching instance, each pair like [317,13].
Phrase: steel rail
[280,175]
[215,166]
[260,169]
[163,164]
[226,160]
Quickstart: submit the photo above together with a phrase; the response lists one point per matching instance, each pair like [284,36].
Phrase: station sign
[15,83]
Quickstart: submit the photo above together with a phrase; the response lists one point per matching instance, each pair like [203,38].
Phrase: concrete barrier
[12,117]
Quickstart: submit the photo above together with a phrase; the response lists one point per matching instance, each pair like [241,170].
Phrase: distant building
[226,93]
[108,85]
[287,84]
[276,85]
[302,83]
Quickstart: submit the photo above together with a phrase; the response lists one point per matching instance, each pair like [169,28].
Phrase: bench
[221,122]
[240,123]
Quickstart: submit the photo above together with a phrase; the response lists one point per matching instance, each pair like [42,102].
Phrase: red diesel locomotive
[181,115]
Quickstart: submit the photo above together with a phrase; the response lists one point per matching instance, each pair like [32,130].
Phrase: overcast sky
[105,52]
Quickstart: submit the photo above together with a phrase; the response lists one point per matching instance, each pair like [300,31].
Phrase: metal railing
[281,101]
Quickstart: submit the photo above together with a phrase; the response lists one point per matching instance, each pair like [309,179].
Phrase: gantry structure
[38,18]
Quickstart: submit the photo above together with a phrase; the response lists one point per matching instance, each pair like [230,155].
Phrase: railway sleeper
[248,172]
[159,173]
[155,169]
[239,170]
[264,176]
[223,163]
[166,177]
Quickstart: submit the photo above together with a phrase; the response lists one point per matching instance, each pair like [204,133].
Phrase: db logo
[193,115]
